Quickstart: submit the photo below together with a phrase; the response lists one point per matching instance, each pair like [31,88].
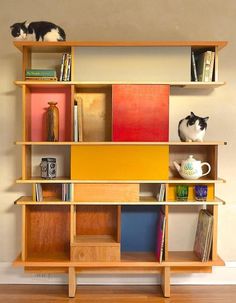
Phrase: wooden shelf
[26,200]
[67,180]
[128,260]
[190,84]
[122,143]
[65,46]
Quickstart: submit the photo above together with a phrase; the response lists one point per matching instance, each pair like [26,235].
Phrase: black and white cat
[192,128]
[38,31]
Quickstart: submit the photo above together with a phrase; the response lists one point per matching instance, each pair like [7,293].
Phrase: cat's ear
[192,114]
[12,26]
[205,119]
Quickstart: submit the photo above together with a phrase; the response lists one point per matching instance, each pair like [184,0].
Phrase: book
[140,113]
[161,194]
[160,236]
[80,119]
[38,192]
[203,237]
[65,71]
[205,64]
[62,66]
[76,133]
[40,73]
[194,68]
[41,78]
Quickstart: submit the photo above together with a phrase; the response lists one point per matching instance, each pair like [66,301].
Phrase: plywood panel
[132,64]
[96,113]
[96,162]
[140,112]
[39,98]
[96,220]
[47,230]
[95,253]
[106,192]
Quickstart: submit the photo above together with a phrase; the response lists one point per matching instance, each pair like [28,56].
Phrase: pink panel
[38,106]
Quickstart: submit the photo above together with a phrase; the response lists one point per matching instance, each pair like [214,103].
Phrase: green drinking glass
[181,192]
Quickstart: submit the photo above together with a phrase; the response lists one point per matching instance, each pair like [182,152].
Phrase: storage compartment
[37,99]
[139,232]
[96,234]
[119,162]
[47,232]
[95,112]
[62,155]
[106,192]
[203,153]
[132,64]
[181,244]
[52,192]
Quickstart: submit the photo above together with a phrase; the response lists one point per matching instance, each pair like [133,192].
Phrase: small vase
[52,122]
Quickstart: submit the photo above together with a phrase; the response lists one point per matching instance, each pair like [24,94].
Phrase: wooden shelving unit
[111,181]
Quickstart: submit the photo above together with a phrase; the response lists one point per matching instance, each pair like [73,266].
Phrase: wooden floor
[112,294]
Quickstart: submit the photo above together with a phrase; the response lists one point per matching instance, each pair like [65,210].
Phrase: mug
[181,192]
[200,192]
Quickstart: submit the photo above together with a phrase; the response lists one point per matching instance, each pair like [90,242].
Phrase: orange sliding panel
[119,162]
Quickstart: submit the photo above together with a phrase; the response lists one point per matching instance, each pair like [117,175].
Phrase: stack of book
[203,66]
[203,238]
[65,74]
[160,236]
[41,74]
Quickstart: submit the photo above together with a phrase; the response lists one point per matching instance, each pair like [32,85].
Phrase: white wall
[124,20]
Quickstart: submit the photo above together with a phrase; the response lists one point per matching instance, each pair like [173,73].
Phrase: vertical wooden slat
[23,231]
[118,235]
[213,159]
[26,60]
[72,281]
[165,281]
[72,112]
[26,162]
[213,209]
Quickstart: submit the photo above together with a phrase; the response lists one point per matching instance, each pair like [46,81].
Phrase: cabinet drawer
[95,253]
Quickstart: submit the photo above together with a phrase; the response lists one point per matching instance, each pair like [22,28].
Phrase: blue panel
[138,228]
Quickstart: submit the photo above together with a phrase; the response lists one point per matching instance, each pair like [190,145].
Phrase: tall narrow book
[160,236]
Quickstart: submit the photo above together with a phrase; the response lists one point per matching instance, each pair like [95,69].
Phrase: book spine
[75,123]
[40,73]
[194,67]
[163,239]
[207,64]
[62,66]
[69,68]
[65,68]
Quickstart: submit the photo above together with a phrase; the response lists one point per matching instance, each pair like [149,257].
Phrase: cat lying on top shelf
[192,128]
[38,31]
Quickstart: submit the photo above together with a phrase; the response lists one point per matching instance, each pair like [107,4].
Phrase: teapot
[191,168]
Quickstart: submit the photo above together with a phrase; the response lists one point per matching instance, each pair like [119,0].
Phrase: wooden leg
[72,282]
[165,281]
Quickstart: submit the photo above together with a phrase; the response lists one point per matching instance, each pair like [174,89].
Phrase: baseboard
[220,275]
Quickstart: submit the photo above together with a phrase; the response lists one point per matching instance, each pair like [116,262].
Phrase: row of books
[65,73]
[202,66]
[203,238]
[66,192]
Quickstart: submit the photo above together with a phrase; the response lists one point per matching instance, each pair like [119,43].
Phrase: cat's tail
[62,34]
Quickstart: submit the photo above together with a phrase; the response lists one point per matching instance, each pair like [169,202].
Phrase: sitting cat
[36,31]
[192,128]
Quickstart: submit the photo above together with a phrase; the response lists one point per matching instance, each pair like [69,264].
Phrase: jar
[48,168]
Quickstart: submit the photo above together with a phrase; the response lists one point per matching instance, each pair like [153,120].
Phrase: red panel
[39,98]
[140,112]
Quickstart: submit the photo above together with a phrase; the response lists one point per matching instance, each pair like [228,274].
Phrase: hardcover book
[160,236]
[140,112]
